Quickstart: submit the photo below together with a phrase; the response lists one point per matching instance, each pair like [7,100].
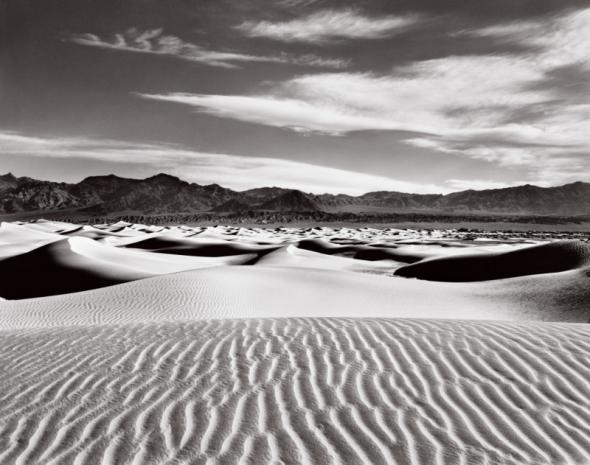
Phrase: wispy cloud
[293,113]
[234,171]
[555,41]
[327,25]
[520,109]
[450,96]
[154,41]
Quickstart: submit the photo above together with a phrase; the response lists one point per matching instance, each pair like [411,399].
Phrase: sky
[321,95]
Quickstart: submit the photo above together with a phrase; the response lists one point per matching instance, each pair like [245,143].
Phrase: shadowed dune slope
[78,264]
[552,257]
[275,291]
[406,252]
[297,391]
[57,269]
[182,246]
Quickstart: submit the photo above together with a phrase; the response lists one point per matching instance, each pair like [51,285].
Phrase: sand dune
[16,239]
[297,391]
[77,264]
[545,258]
[275,291]
[159,350]
[40,263]
[55,227]
[151,263]
[400,250]
[97,234]
[57,269]
[197,247]
[292,256]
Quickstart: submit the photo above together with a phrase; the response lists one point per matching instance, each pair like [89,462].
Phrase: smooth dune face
[310,391]
[57,269]
[133,344]
[274,291]
[56,227]
[77,264]
[154,264]
[294,257]
[546,258]
[16,239]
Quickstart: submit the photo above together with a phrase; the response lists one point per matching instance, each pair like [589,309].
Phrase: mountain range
[163,193]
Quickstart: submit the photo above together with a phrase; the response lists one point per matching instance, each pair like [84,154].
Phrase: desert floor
[132,344]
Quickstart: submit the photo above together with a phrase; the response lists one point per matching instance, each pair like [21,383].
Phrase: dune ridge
[553,257]
[16,239]
[77,264]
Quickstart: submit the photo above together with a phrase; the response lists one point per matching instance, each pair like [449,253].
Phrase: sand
[292,391]
[79,263]
[16,239]
[552,257]
[227,345]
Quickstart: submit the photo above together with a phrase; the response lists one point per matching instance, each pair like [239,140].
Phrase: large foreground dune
[131,344]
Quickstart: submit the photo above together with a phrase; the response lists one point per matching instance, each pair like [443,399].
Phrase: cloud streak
[291,113]
[155,42]
[328,25]
[234,171]
[505,108]
[559,41]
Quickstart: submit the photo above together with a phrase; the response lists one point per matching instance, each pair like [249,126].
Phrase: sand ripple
[317,391]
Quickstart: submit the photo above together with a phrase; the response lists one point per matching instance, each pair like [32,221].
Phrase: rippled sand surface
[129,344]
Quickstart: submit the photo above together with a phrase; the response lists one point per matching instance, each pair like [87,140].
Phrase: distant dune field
[132,344]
